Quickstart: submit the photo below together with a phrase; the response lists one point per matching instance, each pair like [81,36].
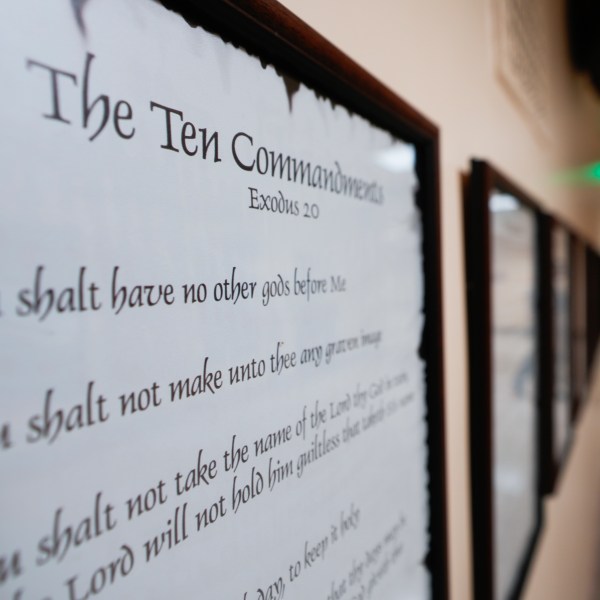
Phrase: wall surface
[440,57]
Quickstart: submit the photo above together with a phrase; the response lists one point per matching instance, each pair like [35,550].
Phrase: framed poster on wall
[579,324]
[556,389]
[220,311]
[505,322]
[592,262]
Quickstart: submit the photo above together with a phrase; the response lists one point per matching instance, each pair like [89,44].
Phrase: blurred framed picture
[557,397]
[502,228]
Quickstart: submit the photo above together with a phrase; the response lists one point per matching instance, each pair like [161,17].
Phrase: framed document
[220,311]
[502,257]
[593,303]
[579,323]
[556,388]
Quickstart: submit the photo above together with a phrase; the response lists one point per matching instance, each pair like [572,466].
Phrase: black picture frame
[267,29]
[557,290]
[592,304]
[579,325]
[483,180]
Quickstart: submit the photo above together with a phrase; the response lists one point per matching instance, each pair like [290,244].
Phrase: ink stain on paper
[291,87]
[77,6]
[291,84]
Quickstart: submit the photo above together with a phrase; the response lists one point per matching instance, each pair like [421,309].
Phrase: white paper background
[164,217]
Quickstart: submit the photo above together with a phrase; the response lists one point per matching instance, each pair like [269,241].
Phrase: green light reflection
[588,174]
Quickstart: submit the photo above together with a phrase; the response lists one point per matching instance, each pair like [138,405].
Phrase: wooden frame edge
[484,177]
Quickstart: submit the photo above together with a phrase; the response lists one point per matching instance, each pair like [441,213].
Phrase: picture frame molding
[484,178]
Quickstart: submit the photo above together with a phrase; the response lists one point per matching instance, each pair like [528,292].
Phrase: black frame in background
[551,463]
[579,329]
[483,180]
[593,304]
[584,292]
[267,29]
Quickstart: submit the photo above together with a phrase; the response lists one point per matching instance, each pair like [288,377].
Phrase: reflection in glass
[562,328]
[514,373]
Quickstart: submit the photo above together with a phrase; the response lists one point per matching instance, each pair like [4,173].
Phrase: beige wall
[439,56]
